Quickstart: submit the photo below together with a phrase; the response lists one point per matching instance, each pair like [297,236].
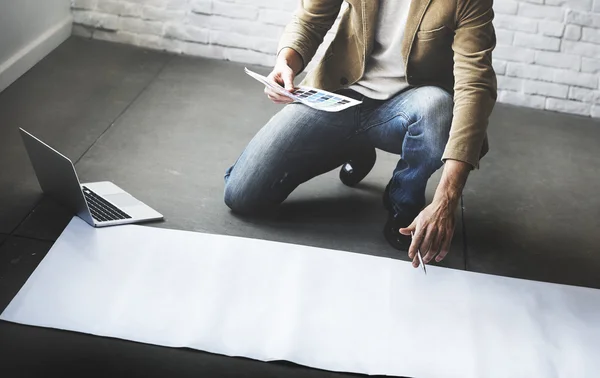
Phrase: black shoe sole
[395,238]
[360,168]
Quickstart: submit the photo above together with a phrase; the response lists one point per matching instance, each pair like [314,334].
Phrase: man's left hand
[434,227]
[433,232]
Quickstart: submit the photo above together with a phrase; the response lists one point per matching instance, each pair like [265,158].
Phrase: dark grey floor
[68,100]
[165,128]
[534,209]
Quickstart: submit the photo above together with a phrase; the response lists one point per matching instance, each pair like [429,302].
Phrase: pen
[419,255]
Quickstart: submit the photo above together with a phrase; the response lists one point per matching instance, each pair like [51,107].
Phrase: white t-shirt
[384,72]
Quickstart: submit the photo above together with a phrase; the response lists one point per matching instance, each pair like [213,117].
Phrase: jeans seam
[400,114]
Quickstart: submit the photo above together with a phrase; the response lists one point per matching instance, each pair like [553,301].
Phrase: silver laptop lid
[56,175]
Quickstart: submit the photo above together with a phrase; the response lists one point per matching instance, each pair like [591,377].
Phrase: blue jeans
[300,143]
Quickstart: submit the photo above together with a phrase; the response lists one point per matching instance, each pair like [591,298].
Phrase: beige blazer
[447,43]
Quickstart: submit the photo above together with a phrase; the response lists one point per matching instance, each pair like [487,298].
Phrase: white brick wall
[553,61]
[239,30]
[547,57]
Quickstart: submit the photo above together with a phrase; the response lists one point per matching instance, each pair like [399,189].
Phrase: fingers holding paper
[283,76]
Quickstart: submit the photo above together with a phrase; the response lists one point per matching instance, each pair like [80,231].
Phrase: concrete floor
[165,128]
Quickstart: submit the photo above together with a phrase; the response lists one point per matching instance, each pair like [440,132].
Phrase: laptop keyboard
[102,210]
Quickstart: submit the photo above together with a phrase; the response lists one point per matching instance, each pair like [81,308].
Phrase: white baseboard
[35,51]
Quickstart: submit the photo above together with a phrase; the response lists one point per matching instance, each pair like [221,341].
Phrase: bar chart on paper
[315,98]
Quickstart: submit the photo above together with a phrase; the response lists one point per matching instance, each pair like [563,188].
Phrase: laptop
[100,204]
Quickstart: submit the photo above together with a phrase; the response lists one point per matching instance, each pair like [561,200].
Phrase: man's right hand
[288,64]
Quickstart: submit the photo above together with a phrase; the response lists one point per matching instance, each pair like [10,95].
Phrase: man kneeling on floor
[423,71]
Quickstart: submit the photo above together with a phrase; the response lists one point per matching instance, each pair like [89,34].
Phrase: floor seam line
[464,232]
[34,238]
[5,240]
[112,123]
[12,232]
[29,238]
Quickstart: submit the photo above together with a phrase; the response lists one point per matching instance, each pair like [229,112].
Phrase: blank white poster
[320,308]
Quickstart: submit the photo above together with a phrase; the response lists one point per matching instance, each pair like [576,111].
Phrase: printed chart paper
[315,98]
[321,308]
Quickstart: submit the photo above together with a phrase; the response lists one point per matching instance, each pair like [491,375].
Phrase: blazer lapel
[415,15]
[369,10]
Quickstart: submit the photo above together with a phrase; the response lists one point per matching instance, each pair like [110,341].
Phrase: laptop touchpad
[122,199]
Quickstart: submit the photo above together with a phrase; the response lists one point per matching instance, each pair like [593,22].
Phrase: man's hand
[288,64]
[434,227]
[433,231]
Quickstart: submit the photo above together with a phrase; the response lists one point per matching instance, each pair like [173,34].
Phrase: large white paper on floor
[321,308]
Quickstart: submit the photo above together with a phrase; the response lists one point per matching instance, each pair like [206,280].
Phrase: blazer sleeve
[311,21]
[475,87]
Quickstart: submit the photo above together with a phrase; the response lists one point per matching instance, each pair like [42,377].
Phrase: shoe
[357,168]
[392,234]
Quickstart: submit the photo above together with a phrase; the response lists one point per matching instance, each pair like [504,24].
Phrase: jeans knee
[235,200]
[245,202]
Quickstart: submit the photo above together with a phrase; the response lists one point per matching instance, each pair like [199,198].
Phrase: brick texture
[559,60]
[542,12]
[584,95]
[582,5]
[545,89]
[536,41]
[568,106]
[547,54]
[500,66]
[520,99]
[238,30]
[590,65]
[573,32]
[506,7]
